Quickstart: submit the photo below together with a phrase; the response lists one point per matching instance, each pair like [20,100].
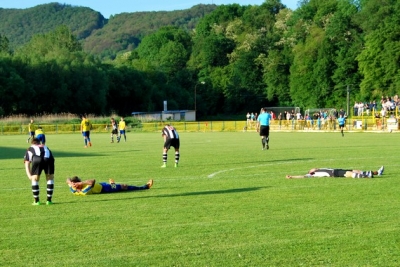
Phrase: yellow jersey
[39,131]
[87,190]
[122,125]
[86,125]
[32,127]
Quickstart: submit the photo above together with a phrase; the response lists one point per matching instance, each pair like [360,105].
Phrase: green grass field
[228,203]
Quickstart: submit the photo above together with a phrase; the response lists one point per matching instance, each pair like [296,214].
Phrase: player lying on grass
[326,172]
[79,187]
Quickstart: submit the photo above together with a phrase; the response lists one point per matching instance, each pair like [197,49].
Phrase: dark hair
[35,141]
[75,179]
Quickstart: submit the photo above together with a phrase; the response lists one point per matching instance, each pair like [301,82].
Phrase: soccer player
[88,187]
[263,127]
[40,135]
[86,126]
[171,138]
[341,121]
[39,158]
[32,129]
[114,129]
[327,172]
[121,127]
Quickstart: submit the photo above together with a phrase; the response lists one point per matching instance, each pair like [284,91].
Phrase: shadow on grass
[19,153]
[213,192]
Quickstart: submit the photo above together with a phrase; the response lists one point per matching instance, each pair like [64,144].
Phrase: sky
[113,7]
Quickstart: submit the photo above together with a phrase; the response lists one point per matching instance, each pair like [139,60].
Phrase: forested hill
[99,36]
[19,25]
[124,31]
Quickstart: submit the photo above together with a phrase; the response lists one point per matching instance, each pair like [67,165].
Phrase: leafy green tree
[379,60]
[4,44]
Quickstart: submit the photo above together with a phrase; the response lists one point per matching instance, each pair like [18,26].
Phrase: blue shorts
[122,132]
[86,134]
[110,188]
[42,138]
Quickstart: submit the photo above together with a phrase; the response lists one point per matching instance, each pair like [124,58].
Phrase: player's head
[35,141]
[75,179]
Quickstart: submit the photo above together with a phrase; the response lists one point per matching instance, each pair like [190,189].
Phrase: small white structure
[173,115]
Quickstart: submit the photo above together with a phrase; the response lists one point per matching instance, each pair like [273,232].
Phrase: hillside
[124,31]
[98,35]
[19,25]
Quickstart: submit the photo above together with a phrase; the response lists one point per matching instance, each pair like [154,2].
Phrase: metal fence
[360,124]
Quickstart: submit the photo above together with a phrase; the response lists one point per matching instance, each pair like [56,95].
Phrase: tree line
[236,59]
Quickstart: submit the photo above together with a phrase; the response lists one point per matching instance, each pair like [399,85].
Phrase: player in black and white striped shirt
[171,138]
[39,158]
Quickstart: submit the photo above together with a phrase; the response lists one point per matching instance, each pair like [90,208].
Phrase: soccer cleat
[85,146]
[111,181]
[176,165]
[90,143]
[118,139]
[267,146]
[49,203]
[380,171]
[36,203]
[150,183]
[164,165]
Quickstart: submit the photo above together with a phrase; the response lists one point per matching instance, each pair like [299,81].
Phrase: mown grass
[228,204]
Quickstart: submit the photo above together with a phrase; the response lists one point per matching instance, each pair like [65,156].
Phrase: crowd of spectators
[384,108]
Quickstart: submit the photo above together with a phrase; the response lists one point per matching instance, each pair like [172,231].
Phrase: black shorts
[114,131]
[37,165]
[48,166]
[341,125]
[339,172]
[264,131]
[172,142]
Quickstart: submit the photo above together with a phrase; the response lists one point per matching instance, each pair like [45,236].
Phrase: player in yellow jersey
[86,126]
[40,135]
[31,128]
[88,187]
[121,127]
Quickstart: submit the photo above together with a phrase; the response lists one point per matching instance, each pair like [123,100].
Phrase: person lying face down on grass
[327,172]
[88,187]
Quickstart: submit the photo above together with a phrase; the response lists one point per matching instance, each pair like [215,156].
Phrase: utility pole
[348,100]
